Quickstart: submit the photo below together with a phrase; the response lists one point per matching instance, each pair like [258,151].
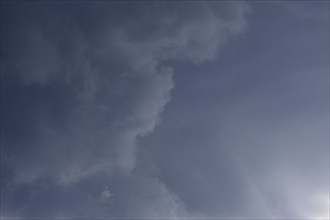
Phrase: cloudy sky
[164,109]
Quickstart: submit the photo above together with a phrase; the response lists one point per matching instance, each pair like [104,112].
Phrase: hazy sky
[164,109]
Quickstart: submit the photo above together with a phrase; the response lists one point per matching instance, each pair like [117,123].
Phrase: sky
[164,109]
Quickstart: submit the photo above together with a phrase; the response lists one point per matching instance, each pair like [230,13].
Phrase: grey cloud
[122,99]
[81,85]
[101,132]
[118,196]
[249,138]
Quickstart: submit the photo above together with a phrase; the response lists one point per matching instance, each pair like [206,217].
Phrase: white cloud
[105,194]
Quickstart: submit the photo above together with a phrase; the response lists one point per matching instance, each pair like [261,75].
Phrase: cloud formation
[82,83]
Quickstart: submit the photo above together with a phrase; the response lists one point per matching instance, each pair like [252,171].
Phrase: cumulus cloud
[82,83]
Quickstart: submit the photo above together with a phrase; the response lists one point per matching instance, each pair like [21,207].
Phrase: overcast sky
[164,109]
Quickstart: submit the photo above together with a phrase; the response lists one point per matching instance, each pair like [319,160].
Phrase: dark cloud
[164,109]
[80,84]
[116,196]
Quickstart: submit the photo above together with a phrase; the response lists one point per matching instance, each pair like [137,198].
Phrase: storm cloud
[81,82]
[164,109]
